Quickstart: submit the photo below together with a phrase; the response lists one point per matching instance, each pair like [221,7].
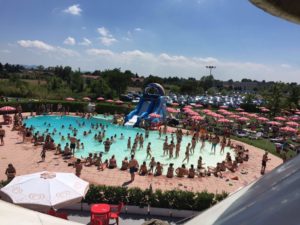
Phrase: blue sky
[160,37]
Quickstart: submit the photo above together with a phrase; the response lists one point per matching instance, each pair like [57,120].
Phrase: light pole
[210,69]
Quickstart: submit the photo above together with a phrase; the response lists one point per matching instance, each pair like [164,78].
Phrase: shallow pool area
[119,147]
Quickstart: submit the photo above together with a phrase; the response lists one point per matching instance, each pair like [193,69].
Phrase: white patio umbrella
[43,190]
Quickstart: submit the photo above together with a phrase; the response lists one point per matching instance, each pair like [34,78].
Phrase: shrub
[112,108]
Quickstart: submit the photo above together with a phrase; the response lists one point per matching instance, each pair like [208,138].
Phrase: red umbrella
[239,109]
[288,129]
[292,124]
[206,110]
[7,109]
[263,119]
[243,119]
[294,118]
[280,118]
[252,115]
[109,100]
[198,118]
[188,106]
[298,113]
[233,116]
[70,99]
[175,104]
[223,107]
[119,102]
[274,123]
[154,115]
[198,106]
[224,121]
[86,99]
[244,113]
[100,99]
[264,109]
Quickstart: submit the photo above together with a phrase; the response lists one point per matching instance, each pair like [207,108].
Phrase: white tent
[274,199]
[11,214]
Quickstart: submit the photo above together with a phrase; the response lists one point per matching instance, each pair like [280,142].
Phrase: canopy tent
[273,199]
[13,214]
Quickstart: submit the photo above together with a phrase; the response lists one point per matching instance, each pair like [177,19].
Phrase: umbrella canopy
[109,100]
[171,110]
[7,109]
[70,99]
[223,107]
[274,123]
[198,106]
[280,118]
[175,104]
[288,129]
[244,119]
[264,110]
[298,112]
[86,99]
[224,121]
[154,115]
[263,119]
[100,99]
[44,190]
[292,124]
[198,118]
[252,115]
[119,102]
[233,116]
[239,109]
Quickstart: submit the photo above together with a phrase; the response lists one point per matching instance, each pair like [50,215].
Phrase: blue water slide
[160,109]
[142,110]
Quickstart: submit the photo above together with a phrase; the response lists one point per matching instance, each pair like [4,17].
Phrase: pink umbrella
[198,106]
[294,118]
[292,124]
[224,121]
[86,99]
[70,99]
[188,106]
[109,101]
[274,123]
[239,109]
[280,118]
[171,110]
[288,129]
[263,119]
[119,102]
[233,116]
[100,99]
[223,107]
[7,109]
[244,113]
[244,119]
[264,110]
[252,115]
[198,118]
[175,104]
[298,113]
[154,115]
[206,110]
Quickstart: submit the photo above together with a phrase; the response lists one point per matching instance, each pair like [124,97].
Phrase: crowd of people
[171,149]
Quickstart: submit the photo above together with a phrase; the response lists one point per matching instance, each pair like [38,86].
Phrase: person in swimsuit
[78,167]
[2,134]
[73,141]
[133,167]
[107,144]
[10,172]
[264,161]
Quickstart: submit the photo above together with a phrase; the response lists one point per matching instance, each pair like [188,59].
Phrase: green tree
[274,97]
[117,80]
[77,84]
[99,87]
[293,96]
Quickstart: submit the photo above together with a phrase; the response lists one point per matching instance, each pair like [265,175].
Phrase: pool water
[119,147]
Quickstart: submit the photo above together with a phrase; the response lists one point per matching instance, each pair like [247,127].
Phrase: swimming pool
[119,148]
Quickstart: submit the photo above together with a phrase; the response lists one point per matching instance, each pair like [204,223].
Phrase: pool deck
[26,159]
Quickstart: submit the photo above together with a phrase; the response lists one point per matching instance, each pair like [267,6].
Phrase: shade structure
[86,99]
[292,124]
[223,107]
[12,214]
[70,99]
[233,116]
[43,190]
[243,119]
[197,118]
[274,123]
[198,106]
[7,109]
[100,99]
[272,199]
[265,110]
[109,100]
[262,119]
[154,115]
[239,109]
[175,104]
[288,129]
[224,121]
[252,115]
[171,110]
[119,102]
[280,118]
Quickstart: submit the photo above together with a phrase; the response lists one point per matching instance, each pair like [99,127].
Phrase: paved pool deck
[26,159]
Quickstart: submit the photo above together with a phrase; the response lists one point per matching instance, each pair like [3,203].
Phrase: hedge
[112,108]
[173,199]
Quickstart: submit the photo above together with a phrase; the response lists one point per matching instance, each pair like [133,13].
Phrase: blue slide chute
[152,101]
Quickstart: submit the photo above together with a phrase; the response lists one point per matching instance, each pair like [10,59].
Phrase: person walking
[2,135]
[264,161]
[133,167]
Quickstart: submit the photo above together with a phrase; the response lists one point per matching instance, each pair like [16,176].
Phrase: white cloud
[106,38]
[99,52]
[287,66]
[85,42]
[70,41]
[107,41]
[138,29]
[5,51]
[35,44]
[74,10]
[44,47]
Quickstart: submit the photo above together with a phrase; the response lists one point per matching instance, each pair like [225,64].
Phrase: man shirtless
[133,167]
[73,141]
[2,134]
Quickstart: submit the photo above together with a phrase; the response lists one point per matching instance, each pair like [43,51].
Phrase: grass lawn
[263,144]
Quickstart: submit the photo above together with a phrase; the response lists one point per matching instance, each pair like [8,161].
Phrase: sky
[158,37]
